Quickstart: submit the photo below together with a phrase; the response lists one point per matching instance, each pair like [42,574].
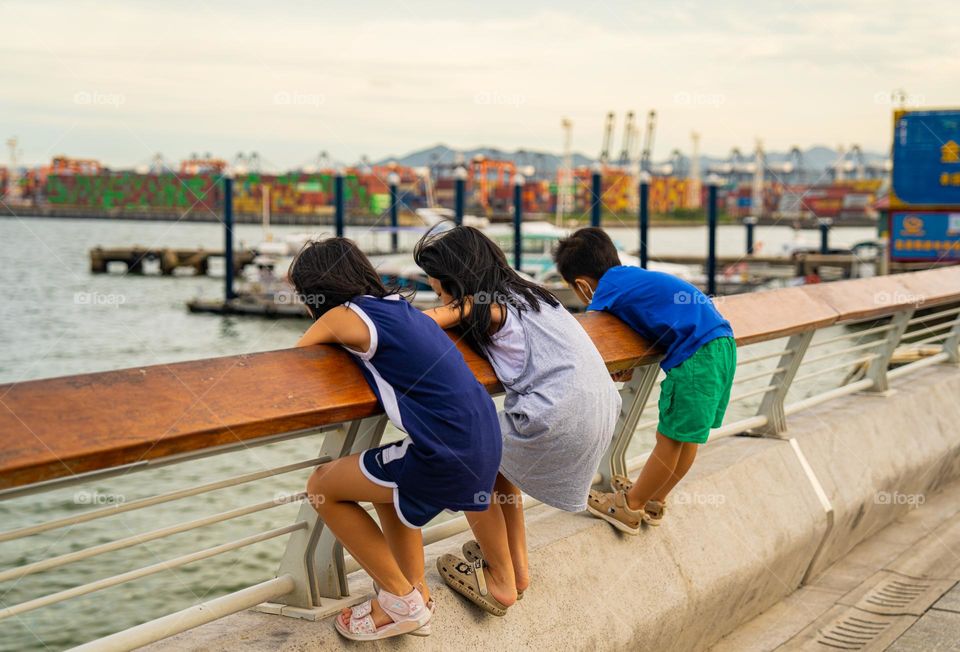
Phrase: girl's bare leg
[334,491]
[490,529]
[406,545]
[687,454]
[511,503]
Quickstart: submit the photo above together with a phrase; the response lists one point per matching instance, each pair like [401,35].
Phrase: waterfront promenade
[832,431]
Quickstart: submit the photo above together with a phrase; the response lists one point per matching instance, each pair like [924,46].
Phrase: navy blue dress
[450,457]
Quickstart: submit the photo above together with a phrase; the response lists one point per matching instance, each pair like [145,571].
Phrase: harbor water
[56,318]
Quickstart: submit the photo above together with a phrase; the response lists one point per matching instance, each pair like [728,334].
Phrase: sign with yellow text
[932,236]
[926,159]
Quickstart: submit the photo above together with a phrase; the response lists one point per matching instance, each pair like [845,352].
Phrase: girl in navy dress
[448,460]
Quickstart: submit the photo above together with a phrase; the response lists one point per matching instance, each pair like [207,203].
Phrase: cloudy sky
[122,81]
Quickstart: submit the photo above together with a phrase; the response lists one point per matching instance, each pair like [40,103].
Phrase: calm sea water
[56,319]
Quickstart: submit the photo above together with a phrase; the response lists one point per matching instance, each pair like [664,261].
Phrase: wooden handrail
[74,424]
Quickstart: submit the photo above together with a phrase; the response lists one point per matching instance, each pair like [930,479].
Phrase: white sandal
[426,630]
[408,613]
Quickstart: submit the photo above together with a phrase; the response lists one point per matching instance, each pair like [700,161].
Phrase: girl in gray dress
[559,413]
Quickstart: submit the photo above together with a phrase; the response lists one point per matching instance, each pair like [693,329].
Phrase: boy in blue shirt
[700,358]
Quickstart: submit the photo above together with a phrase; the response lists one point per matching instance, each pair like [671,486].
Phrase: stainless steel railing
[774,379]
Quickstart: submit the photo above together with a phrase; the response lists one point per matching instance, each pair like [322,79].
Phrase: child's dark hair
[587,252]
[469,265]
[328,273]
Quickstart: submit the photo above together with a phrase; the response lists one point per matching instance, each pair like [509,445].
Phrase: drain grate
[853,632]
[896,595]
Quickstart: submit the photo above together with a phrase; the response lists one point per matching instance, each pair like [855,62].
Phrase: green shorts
[695,393]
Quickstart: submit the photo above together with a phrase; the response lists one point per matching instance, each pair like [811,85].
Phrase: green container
[379,203]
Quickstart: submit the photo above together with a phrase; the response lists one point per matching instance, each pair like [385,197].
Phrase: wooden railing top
[59,427]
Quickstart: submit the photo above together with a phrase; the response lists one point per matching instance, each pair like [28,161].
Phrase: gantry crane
[565,173]
[607,138]
[647,153]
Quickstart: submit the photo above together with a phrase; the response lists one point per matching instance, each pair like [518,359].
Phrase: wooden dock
[168,258]
[840,265]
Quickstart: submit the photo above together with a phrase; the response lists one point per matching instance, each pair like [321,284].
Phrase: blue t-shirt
[429,392]
[667,311]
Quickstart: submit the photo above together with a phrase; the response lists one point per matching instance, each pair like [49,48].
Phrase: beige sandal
[613,508]
[471,551]
[653,511]
[621,483]
[468,580]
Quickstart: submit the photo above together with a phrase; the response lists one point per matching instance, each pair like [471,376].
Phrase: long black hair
[328,273]
[469,265]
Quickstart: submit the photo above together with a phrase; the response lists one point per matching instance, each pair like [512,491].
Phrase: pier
[168,259]
[776,499]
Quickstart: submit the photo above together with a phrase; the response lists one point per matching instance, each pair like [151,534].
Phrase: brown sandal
[471,551]
[468,580]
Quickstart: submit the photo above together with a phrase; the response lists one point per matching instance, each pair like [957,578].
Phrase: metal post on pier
[228,292]
[713,181]
[459,194]
[596,190]
[750,223]
[338,203]
[824,223]
[644,218]
[518,182]
[394,181]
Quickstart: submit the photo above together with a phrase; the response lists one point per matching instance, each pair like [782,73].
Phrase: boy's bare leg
[334,490]
[406,544]
[511,503]
[687,454]
[656,473]
[490,529]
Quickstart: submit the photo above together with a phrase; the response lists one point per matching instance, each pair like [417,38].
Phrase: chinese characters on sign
[926,158]
[926,236]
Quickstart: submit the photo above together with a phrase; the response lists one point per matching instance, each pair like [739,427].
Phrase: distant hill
[815,158]
[544,162]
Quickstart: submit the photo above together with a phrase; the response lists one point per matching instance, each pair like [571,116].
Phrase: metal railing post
[313,556]
[771,406]
[634,395]
[877,371]
[952,343]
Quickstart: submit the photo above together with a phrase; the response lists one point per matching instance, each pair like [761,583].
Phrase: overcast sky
[122,81]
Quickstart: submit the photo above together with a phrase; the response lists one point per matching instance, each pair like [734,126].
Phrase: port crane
[628,153]
[607,138]
[756,194]
[565,173]
[648,134]
[693,185]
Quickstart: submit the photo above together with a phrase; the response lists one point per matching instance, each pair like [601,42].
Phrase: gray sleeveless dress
[559,413]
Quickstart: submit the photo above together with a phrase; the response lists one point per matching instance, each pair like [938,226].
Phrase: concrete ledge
[889,453]
[742,531]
